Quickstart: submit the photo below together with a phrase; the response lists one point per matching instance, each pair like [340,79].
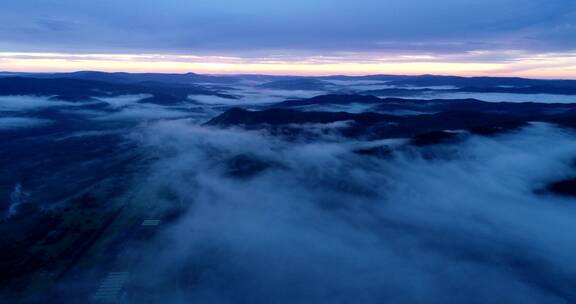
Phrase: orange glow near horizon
[541,66]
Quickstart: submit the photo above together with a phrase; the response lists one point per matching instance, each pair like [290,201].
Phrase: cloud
[148,112]
[255,96]
[10,123]
[499,97]
[214,100]
[129,108]
[120,108]
[124,100]
[446,224]
[470,63]
[257,26]
[27,103]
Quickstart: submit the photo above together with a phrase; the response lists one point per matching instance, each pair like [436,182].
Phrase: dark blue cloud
[313,26]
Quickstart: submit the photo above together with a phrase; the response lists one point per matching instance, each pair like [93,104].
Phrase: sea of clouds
[462,223]
[317,223]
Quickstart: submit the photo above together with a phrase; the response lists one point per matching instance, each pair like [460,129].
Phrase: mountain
[78,89]
[331,99]
[538,89]
[560,89]
[304,84]
[367,125]
[434,105]
[239,116]
[469,83]
[377,77]
[121,77]
[434,80]
[441,115]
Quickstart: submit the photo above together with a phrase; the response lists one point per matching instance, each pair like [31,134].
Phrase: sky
[535,38]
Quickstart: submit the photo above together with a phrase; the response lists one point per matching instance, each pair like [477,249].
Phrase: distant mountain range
[121,77]
[400,85]
[75,89]
[442,115]
[433,105]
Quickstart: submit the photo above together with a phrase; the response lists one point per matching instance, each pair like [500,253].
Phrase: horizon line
[537,66]
[284,74]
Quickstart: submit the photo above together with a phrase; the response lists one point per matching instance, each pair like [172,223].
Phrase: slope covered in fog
[246,193]
[317,222]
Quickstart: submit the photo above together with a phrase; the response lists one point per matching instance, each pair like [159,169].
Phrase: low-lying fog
[503,97]
[317,223]
[275,221]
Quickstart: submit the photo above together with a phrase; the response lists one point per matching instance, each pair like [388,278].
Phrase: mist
[248,95]
[9,123]
[288,152]
[292,210]
[28,103]
[510,97]
[317,223]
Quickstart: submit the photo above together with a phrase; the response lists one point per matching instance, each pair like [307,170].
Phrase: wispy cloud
[513,63]
[10,123]
[257,36]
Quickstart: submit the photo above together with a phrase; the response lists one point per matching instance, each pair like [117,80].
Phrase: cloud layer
[304,32]
[251,26]
[323,225]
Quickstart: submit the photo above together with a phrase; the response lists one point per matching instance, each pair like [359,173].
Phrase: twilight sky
[535,38]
